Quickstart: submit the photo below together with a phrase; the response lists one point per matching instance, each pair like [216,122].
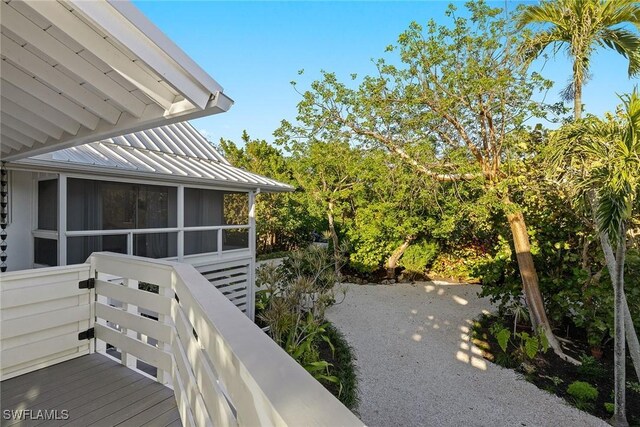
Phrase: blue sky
[254,50]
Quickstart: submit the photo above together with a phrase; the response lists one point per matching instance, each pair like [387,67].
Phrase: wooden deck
[89,390]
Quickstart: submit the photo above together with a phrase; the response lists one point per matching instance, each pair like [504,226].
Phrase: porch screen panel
[79,248]
[94,205]
[202,208]
[48,204]
[156,245]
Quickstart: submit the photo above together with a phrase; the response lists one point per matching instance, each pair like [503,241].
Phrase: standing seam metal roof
[175,149]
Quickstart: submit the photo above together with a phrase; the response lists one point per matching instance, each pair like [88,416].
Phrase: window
[48,204]
[45,244]
[45,251]
[99,205]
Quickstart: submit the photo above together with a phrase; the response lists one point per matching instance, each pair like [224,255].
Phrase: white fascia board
[94,171]
[110,18]
[137,18]
[153,116]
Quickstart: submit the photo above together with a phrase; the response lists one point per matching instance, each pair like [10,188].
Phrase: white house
[162,193]
[113,207]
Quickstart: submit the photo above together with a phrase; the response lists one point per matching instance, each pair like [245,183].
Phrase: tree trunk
[619,413]
[577,95]
[392,262]
[334,237]
[610,259]
[530,286]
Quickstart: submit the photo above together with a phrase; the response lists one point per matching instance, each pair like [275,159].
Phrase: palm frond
[626,43]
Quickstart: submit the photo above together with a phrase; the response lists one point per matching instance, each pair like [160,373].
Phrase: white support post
[130,243]
[62,219]
[164,377]
[101,346]
[219,241]
[129,360]
[180,222]
[251,291]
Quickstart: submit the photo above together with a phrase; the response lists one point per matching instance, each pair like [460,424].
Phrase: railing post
[129,360]
[130,243]
[62,219]
[164,377]
[219,242]
[252,264]
[180,222]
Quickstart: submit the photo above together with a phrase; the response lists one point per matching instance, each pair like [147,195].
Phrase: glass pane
[155,245]
[45,251]
[202,207]
[200,242]
[79,248]
[118,205]
[48,204]
[154,206]
[235,238]
[101,205]
[236,208]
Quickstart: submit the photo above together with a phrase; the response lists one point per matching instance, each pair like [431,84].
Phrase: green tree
[581,26]
[328,173]
[283,220]
[452,107]
[605,155]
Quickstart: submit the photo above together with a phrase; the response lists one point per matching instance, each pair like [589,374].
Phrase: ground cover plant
[588,386]
[291,301]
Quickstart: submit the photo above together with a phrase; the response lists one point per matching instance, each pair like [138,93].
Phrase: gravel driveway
[417,366]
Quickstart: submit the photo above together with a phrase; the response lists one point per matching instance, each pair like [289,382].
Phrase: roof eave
[39,165]
[219,103]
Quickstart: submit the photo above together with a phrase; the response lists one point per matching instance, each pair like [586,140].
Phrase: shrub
[291,301]
[344,369]
[418,256]
[591,368]
[583,394]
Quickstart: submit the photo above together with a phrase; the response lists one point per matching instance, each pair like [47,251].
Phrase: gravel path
[417,366]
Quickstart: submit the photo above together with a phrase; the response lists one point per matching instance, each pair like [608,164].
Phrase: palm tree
[581,26]
[606,154]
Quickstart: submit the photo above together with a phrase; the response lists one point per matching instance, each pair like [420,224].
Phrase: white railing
[42,313]
[223,369]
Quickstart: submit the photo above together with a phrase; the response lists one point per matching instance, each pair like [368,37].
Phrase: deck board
[95,390]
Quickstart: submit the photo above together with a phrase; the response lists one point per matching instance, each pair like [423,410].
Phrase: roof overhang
[78,71]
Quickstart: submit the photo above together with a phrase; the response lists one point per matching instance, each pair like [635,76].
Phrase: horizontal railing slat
[36,350]
[149,327]
[191,393]
[33,323]
[229,280]
[35,294]
[146,352]
[129,267]
[214,398]
[148,300]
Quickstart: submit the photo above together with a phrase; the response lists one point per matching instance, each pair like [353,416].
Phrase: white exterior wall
[21,215]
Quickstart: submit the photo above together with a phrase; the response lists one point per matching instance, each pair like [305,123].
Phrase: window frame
[180,228]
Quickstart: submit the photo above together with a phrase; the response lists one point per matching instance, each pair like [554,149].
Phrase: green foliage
[344,368]
[591,369]
[503,338]
[419,256]
[291,301]
[583,394]
[525,346]
[633,386]
[610,407]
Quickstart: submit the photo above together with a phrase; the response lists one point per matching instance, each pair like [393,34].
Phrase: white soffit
[77,71]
